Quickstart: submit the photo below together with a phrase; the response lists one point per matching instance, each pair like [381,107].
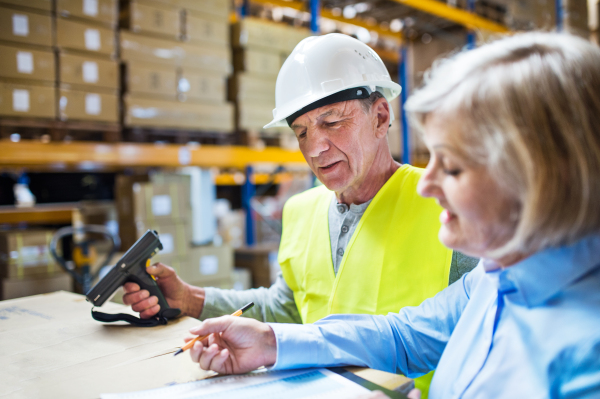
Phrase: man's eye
[302,135]
[330,124]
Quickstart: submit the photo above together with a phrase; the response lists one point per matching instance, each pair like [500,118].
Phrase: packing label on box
[161,205]
[209,265]
[92,39]
[90,72]
[21,100]
[93,104]
[20,25]
[168,243]
[24,62]
[29,255]
[90,7]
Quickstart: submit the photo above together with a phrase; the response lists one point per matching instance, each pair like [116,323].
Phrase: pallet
[52,130]
[177,136]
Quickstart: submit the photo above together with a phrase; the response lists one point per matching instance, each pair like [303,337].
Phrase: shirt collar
[546,273]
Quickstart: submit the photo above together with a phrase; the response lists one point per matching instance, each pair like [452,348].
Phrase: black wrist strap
[136,321]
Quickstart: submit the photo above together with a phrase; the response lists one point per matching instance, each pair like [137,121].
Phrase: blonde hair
[527,107]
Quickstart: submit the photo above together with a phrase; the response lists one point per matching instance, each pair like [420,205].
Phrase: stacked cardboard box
[88,70]
[26,266]
[259,50]
[27,63]
[261,261]
[163,204]
[177,61]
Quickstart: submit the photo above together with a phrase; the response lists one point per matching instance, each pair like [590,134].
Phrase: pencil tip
[178,352]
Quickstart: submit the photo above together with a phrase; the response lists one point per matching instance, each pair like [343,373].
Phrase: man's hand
[177,293]
[236,345]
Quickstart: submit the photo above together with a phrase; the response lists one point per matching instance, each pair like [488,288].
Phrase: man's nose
[316,143]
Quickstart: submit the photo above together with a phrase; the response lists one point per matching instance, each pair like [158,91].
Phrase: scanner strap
[136,321]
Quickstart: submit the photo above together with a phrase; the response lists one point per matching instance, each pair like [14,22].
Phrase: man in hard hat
[364,242]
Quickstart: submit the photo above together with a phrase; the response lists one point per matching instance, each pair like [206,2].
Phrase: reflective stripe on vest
[394,258]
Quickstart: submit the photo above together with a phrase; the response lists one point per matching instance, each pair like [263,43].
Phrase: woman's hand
[235,345]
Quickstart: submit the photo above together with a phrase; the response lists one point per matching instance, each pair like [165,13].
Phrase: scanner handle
[146,281]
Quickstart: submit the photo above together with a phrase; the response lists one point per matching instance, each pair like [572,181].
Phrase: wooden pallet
[52,130]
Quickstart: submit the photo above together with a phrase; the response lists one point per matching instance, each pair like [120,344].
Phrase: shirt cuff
[208,309]
[298,346]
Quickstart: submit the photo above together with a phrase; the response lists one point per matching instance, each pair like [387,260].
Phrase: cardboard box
[43,5]
[18,288]
[231,227]
[151,79]
[89,105]
[82,36]
[147,112]
[27,100]
[25,27]
[87,70]
[257,62]
[246,87]
[255,33]
[151,18]
[196,84]
[261,260]
[175,237]
[253,115]
[216,8]
[200,27]
[208,262]
[102,11]
[242,279]
[26,253]
[148,49]
[125,208]
[25,63]
[164,202]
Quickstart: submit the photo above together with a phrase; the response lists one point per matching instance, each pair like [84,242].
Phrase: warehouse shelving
[84,155]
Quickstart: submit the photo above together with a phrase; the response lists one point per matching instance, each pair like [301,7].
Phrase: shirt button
[340,251]
[345,229]
[342,208]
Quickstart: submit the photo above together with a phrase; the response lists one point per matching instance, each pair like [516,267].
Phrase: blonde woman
[513,130]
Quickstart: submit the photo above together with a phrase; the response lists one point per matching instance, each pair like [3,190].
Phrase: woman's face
[478,216]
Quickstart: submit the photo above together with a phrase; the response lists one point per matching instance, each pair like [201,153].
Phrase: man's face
[339,143]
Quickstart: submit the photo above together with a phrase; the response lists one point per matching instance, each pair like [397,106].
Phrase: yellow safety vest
[394,258]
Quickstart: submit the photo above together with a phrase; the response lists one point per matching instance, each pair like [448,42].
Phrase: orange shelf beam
[88,155]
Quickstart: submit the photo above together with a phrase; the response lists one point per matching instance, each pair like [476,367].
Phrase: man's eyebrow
[323,115]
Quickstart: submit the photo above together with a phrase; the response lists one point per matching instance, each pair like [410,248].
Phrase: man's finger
[160,270]
[130,287]
[216,325]
[135,297]
[145,304]
[148,313]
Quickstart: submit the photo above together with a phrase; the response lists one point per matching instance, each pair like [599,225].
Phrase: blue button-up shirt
[531,330]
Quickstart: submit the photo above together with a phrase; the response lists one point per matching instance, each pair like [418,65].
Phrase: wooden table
[51,347]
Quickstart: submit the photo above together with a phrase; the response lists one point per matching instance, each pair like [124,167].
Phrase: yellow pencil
[199,338]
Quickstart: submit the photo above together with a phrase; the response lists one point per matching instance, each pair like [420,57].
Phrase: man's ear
[381,108]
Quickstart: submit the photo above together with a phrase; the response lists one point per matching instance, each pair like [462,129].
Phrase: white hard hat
[327,69]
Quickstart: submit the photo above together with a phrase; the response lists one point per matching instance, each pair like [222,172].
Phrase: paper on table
[262,384]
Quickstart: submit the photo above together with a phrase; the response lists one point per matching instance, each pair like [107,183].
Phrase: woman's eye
[452,172]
